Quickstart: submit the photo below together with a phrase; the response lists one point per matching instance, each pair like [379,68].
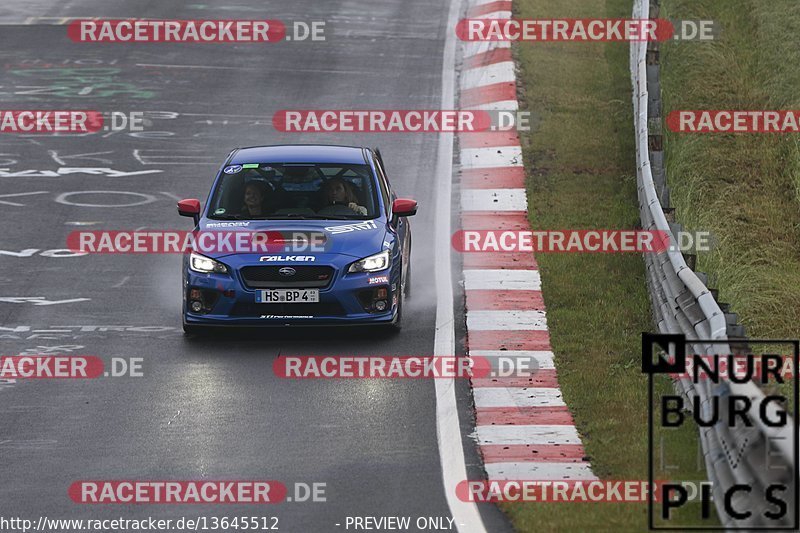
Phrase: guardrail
[756,456]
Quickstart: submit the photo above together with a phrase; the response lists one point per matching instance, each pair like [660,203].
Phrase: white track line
[466,516]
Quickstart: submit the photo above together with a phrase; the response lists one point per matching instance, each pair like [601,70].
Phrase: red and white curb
[523,427]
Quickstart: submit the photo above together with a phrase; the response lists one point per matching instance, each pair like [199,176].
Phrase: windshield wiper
[312,217]
[288,217]
[341,217]
[226,217]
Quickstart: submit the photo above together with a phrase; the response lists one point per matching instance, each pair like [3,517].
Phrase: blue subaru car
[344,255]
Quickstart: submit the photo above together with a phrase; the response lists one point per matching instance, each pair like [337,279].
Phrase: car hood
[354,238]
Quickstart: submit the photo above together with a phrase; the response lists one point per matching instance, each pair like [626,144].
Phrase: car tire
[407,286]
[397,325]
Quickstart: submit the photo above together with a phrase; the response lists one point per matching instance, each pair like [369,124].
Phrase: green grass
[580,164]
[744,189]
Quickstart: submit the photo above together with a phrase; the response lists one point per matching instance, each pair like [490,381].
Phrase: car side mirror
[190,208]
[404,207]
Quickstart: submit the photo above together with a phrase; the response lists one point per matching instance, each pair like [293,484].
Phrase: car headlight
[206,265]
[373,263]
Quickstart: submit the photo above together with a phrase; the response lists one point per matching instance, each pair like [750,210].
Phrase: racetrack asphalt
[206,408]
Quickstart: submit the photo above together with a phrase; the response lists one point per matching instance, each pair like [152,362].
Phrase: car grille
[317,309]
[269,277]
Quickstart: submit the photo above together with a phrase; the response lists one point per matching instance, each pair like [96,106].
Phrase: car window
[283,190]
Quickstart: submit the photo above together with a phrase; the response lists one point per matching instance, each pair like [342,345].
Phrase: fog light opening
[375,300]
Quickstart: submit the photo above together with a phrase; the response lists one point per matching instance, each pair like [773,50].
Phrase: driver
[337,191]
[255,194]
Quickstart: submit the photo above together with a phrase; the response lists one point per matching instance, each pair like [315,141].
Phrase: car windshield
[295,191]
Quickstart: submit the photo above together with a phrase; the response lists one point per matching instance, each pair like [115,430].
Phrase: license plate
[287,296]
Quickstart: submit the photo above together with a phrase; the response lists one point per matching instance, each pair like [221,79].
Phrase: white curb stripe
[506,320]
[508,200]
[492,156]
[507,280]
[543,360]
[500,105]
[538,435]
[494,200]
[495,15]
[449,439]
[534,470]
[517,397]
[473,48]
[488,75]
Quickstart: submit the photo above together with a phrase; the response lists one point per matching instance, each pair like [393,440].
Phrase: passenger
[339,192]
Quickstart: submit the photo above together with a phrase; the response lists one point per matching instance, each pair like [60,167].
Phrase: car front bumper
[229,302]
